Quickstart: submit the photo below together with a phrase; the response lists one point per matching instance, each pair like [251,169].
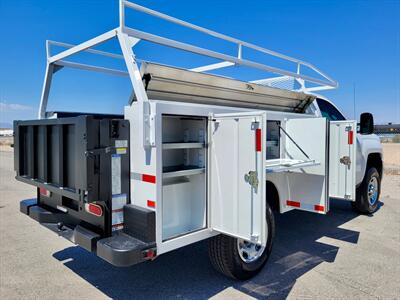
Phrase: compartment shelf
[184,156]
[284,164]
[177,171]
[184,145]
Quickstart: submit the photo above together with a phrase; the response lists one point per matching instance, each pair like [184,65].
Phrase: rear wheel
[368,192]
[240,259]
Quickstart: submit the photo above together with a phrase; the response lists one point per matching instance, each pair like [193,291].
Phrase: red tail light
[149,254]
[44,192]
[94,209]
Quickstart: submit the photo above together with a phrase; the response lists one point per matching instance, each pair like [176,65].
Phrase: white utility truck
[195,156]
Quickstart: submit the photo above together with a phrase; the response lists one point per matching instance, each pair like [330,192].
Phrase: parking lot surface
[337,256]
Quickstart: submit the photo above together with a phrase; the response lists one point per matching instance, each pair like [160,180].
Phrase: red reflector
[94,209]
[258,140]
[149,178]
[150,253]
[44,192]
[319,208]
[292,203]
[350,137]
[151,203]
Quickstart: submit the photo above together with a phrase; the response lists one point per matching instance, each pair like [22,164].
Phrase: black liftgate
[69,160]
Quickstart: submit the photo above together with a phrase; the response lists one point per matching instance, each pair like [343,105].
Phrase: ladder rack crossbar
[224,57]
[127,4]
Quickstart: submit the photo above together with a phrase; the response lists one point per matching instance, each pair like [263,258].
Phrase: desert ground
[391,157]
[342,255]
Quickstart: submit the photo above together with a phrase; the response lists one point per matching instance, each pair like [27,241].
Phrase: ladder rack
[128,37]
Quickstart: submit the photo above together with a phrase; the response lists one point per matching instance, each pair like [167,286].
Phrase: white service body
[212,196]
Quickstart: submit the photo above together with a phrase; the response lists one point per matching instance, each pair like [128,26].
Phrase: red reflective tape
[117,210]
[149,178]
[258,140]
[117,225]
[319,208]
[350,136]
[292,203]
[151,203]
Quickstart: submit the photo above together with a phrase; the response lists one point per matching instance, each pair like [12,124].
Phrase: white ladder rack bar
[208,31]
[238,60]
[74,65]
[198,50]
[220,65]
[49,43]
[84,46]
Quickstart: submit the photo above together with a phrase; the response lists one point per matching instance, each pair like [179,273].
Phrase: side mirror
[366,123]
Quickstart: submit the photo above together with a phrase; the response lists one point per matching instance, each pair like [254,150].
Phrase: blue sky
[355,42]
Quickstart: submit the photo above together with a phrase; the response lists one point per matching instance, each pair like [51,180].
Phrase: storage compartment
[283,152]
[273,139]
[184,176]
[300,173]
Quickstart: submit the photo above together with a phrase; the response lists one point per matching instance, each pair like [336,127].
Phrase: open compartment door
[342,160]
[236,175]
[307,187]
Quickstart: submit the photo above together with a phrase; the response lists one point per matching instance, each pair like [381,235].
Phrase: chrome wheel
[249,252]
[373,190]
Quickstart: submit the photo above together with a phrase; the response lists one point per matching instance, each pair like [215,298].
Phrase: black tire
[225,258]
[362,203]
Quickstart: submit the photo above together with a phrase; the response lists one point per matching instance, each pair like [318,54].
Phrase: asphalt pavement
[342,255]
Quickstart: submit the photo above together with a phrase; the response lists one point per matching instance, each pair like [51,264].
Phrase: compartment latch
[345,160]
[252,179]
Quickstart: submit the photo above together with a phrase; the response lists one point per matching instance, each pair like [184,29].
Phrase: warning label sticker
[121,150]
[118,201]
[115,174]
[121,144]
[117,216]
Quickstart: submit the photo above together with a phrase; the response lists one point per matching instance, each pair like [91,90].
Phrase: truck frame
[196,156]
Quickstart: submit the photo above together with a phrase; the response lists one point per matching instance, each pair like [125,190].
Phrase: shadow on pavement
[187,273]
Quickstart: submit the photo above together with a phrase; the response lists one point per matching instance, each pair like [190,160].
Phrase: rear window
[329,111]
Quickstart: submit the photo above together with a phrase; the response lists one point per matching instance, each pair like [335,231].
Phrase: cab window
[329,111]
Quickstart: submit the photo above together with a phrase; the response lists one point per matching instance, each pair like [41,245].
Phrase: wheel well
[272,196]
[375,160]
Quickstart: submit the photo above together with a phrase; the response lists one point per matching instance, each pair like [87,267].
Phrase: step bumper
[120,249]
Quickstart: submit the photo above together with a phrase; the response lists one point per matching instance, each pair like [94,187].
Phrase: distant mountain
[6,125]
